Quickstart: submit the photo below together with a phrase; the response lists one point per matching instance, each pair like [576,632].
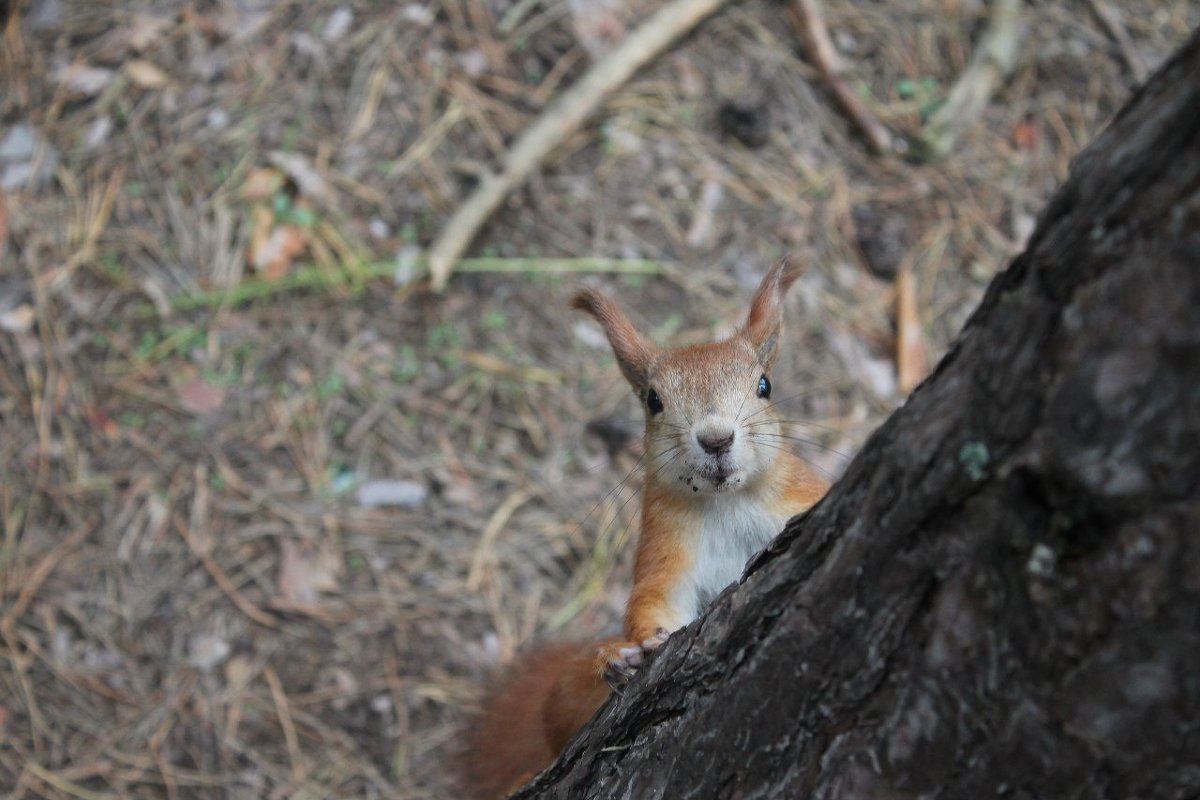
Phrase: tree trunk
[1001,598]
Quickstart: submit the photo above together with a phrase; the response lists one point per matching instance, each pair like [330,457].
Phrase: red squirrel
[720,483]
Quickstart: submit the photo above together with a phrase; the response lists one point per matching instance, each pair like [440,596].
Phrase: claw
[655,641]
[620,669]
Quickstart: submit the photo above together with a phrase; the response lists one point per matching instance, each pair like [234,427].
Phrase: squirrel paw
[621,664]
[655,641]
[623,660]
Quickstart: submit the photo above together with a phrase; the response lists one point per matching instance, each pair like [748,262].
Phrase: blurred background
[271,510]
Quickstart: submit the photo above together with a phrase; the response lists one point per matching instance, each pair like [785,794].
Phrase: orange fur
[529,717]
[704,512]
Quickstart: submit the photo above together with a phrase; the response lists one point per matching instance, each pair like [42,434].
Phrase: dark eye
[764,387]
[653,403]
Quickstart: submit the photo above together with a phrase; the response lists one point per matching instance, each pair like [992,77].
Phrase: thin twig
[993,60]
[219,575]
[41,572]
[807,16]
[1112,24]
[558,122]
[494,525]
[63,785]
[284,713]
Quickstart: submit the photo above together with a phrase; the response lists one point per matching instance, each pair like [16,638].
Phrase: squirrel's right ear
[634,354]
[766,309]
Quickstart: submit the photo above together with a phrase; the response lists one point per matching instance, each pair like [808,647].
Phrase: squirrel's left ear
[766,310]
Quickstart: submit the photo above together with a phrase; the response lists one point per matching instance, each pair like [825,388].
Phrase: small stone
[206,651]
[338,24]
[20,144]
[28,159]
[383,492]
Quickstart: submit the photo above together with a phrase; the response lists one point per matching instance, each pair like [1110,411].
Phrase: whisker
[806,423]
[783,400]
[824,472]
[758,436]
[620,485]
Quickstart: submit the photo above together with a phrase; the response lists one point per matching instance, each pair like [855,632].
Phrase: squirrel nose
[715,443]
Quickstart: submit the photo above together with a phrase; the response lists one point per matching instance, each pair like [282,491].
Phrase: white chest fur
[733,529]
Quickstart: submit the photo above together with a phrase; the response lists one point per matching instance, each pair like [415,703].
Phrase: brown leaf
[599,24]
[145,30]
[912,352]
[200,397]
[145,74]
[262,183]
[275,257]
[305,570]
[272,248]
[100,421]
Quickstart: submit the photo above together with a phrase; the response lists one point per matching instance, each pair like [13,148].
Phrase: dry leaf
[200,397]
[82,78]
[273,247]
[912,352]
[206,651]
[144,30]
[305,570]
[275,257]
[17,320]
[100,421]
[262,183]
[599,24]
[460,490]
[239,671]
[145,74]
[301,170]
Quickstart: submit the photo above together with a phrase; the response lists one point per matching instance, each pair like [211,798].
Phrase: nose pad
[716,442]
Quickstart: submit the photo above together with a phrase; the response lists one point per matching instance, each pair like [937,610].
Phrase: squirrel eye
[764,387]
[653,402]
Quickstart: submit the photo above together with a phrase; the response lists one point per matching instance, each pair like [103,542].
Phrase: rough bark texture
[1002,596]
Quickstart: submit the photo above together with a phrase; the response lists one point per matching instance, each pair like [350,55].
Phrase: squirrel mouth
[718,473]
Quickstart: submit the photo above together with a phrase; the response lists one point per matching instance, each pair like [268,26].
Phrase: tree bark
[1001,597]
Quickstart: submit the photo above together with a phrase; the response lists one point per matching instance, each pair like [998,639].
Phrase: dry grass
[194,604]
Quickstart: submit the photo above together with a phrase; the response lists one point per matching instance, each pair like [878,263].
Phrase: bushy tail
[530,716]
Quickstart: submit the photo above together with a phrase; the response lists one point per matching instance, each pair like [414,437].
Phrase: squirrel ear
[766,310]
[634,353]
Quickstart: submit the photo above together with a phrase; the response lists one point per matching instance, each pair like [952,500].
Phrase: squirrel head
[710,423]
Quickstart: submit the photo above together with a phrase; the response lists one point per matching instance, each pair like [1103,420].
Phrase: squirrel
[720,483]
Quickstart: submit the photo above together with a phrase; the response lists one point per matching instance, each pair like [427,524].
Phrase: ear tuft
[765,321]
[634,353]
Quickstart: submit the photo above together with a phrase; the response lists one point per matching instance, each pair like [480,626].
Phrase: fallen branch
[993,61]
[558,122]
[806,14]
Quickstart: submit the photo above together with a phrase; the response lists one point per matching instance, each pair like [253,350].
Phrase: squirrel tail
[529,716]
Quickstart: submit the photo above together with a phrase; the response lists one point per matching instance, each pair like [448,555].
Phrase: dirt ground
[270,515]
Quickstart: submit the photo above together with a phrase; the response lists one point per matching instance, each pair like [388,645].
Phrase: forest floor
[271,511]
